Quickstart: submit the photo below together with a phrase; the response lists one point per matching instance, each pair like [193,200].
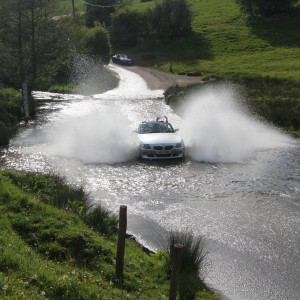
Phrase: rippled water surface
[239,186]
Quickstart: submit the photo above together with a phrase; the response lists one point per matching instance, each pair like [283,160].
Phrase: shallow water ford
[239,185]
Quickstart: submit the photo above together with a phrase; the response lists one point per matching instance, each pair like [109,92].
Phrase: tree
[34,41]
[265,7]
[127,27]
[97,43]
[167,20]
[99,11]
[73,9]
[170,19]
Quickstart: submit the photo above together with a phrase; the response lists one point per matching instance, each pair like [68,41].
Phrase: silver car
[159,140]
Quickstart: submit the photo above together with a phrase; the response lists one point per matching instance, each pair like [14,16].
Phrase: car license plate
[163,152]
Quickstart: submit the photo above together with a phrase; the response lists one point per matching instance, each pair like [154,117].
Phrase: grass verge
[49,252]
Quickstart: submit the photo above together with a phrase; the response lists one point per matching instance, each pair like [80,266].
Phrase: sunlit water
[238,187]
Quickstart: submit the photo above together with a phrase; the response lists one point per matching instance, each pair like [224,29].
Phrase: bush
[97,43]
[62,89]
[281,112]
[265,7]
[127,27]
[170,19]
[101,220]
[11,112]
[96,13]
[167,20]
[11,106]
[192,262]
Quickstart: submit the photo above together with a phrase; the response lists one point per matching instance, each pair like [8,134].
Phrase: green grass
[224,42]
[62,89]
[66,5]
[260,54]
[50,252]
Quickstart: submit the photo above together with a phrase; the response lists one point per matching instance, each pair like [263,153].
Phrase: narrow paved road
[157,80]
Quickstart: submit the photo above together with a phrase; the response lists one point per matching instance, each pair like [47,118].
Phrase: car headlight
[145,146]
[179,145]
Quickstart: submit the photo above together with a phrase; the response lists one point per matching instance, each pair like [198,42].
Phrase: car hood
[160,138]
[125,59]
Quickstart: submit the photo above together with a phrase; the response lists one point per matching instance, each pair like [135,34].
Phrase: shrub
[96,13]
[11,106]
[101,220]
[11,112]
[281,112]
[170,19]
[265,7]
[97,42]
[127,27]
[192,262]
[62,89]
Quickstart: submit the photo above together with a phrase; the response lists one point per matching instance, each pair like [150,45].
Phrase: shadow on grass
[280,30]
[194,46]
[187,50]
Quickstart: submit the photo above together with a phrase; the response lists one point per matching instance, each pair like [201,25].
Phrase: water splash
[218,129]
[97,137]
[90,76]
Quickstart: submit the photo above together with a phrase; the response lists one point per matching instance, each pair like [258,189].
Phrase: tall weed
[192,263]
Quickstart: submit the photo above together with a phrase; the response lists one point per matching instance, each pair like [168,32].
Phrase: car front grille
[167,147]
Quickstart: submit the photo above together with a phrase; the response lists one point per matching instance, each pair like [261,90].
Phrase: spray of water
[218,129]
[97,129]
[90,76]
[93,138]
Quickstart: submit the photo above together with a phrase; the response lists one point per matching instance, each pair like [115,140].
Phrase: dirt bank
[157,80]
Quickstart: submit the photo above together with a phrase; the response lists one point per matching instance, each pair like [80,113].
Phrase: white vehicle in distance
[159,140]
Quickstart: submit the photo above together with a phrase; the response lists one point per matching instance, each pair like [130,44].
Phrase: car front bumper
[161,154]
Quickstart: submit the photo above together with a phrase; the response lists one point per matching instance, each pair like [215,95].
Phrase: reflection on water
[247,208]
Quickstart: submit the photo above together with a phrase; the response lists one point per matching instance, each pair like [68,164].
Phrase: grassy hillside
[47,251]
[261,54]
[224,42]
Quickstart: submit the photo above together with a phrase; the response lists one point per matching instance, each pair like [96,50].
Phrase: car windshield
[155,127]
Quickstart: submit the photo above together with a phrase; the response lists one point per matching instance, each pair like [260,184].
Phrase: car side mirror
[176,129]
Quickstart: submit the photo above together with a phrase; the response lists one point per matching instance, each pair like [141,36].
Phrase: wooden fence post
[25,97]
[175,270]
[121,243]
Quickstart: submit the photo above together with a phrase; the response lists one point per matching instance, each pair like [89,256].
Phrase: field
[224,42]
[260,54]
